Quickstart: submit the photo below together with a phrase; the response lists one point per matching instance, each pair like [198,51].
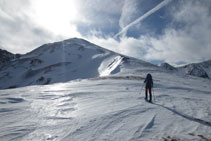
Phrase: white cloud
[56,16]
[20,36]
[18,33]
[127,45]
[192,42]
[129,12]
[112,7]
[22,32]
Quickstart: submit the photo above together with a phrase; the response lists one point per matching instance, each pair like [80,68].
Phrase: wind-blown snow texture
[109,108]
[108,105]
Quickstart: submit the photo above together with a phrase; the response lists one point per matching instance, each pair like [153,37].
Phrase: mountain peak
[66,60]
[68,44]
[77,40]
[167,66]
[5,57]
[202,69]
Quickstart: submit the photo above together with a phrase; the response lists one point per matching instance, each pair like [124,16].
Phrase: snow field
[109,109]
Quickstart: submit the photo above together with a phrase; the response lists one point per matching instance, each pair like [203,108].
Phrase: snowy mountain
[202,69]
[106,102]
[168,67]
[74,59]
[5,57]
[61,62]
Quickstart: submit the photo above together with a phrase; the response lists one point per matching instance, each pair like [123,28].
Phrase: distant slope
[202,69]
[168,67]
[5,57]
[64,61]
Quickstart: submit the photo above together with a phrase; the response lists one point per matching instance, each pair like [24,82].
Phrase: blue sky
[174,31]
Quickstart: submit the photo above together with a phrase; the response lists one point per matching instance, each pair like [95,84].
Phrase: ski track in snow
[108,109]
[140,130]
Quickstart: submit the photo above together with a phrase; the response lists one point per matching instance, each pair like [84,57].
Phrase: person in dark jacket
[148,87]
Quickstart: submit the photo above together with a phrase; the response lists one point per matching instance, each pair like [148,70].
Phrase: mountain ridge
[202,69]
[73,59]
[63,61]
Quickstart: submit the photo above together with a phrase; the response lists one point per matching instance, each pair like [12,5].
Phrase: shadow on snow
[186,116]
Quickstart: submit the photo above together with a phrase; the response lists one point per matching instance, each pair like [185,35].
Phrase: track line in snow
[200,121]
[113,120]
[140,131]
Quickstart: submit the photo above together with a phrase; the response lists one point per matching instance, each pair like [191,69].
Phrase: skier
[148,87]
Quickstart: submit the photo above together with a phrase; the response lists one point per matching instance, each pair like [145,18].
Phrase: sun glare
[55,15]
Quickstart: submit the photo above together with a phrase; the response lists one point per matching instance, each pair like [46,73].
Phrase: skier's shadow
[207,123]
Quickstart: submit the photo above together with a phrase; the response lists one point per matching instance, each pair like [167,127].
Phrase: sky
[173,31]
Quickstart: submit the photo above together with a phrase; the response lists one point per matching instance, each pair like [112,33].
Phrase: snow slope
[168,67]
[202,69]
[109,108]
[60,62]
[5,57]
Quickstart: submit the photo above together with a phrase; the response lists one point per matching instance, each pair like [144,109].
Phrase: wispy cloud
[156,8]
[186,39]
[130,12]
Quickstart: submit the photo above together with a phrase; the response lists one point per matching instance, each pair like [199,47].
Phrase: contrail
[156,8]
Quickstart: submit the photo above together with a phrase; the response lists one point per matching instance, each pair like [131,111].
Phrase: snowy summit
[94,94]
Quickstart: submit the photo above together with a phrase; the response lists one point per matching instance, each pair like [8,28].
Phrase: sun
[55,15]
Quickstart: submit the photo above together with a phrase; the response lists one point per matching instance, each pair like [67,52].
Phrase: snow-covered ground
[109,108]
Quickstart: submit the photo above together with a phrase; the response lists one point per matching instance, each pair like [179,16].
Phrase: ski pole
[141,89]
[153,94]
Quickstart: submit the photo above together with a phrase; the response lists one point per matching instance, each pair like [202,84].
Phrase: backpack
[149,81]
